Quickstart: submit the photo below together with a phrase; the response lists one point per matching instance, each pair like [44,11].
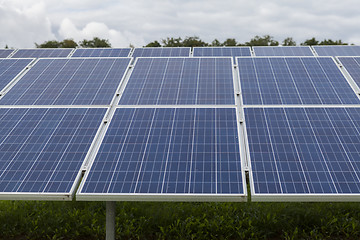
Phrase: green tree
[266,40]
[230,42]
[48,44]
[153,44]
[216,43]
[310,42]
[331,42]
[172,42]
[289,41]
[95,43]
[68,43]
[193,42]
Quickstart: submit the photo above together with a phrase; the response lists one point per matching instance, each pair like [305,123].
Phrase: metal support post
[110,220]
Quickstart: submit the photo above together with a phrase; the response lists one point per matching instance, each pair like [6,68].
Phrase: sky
[138,22]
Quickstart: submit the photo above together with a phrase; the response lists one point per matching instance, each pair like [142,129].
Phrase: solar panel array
[179,128]
[42,53]
[4,53]
[337,50]
[283,51]
[101,52]
[221,51]
[161,52]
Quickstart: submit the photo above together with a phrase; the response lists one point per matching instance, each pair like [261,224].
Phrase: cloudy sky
[138,22]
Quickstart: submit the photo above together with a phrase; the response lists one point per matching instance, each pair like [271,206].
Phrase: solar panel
[170,81]
[42,150]
[162,52]
[352,65]
[10,68]
[4,53]
[304,153]
[167,153]
[337,50]
[283,51]
[293,80]
[88,81]
[221,51]
[42,53]
[101,52]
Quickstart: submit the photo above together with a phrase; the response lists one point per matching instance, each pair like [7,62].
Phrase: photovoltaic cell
[162,52]
[290,80]
[337,50]
[4,53]
[169,81]
[221,51]
[352,65]
[304,150]
[101,52]
[283,51]
[10,68]
[42,53]
[42,149]
[68,82]
[163,151]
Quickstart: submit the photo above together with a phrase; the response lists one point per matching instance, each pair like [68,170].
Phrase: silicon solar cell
[101,52]
[304,153]
[290,80]
[169,81]
[42,150]
[164,153]
[162,52]
[283,51]
[4,53]
[337,50]
[42,53]
[69,82]
[221,51]
[352,65]
[10,68]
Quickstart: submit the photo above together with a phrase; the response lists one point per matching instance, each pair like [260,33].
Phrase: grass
[146,220]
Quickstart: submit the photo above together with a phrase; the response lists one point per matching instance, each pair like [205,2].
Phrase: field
[136,220]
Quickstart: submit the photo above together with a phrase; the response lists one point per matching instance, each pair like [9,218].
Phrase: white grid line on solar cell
[42,53]
[180,81]
[42,150]
[101,52]
[221,51]
[283,51]
[161,52]
[72,81]
[293,80]
[315,150]
[156,134]
[337,50]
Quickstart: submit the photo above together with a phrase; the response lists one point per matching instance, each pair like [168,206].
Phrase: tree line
[194,41]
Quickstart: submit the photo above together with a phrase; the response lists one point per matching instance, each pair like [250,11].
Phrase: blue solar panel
[221,51]
[68,82]
[306,80]
[42,53]
[4,53]
[101,52]
[170,81]
[352,65]
[10,68]
[337,50]
[299,151]
[168,151]
[42,149]
[283,51]
[162,52]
